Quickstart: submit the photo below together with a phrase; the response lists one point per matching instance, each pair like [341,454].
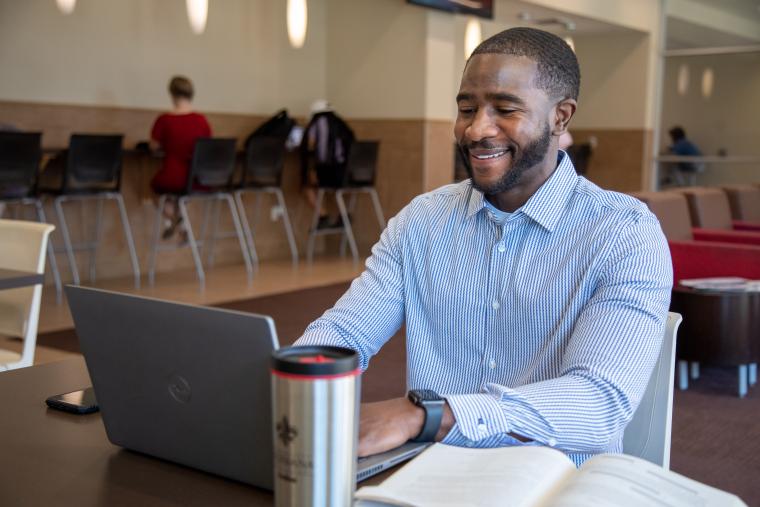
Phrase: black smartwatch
[432,404]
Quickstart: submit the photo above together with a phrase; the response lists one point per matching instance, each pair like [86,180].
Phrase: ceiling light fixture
[197,13]
[472,36]
[297,22]
[66,6]
[708,82]
[682,82]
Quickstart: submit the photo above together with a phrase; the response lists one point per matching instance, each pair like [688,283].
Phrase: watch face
[425,395]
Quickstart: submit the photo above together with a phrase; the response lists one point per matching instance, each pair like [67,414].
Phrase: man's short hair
[677,133]
[181,87]
[558,71]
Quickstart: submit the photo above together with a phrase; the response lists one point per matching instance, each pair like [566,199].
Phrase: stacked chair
[210,180]
[717,333]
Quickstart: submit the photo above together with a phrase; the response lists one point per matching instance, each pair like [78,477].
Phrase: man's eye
[506,111]
[466,110]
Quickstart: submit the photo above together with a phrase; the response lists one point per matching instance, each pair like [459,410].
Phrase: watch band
[433,414]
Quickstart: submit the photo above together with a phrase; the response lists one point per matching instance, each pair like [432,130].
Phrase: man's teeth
[493,155]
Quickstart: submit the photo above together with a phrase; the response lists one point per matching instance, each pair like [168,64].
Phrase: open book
[536,477]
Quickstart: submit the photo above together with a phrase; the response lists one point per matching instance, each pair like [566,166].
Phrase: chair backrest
[362,163]
[744,201]
[213,162]
[672,211]
[20,154]
[647,435]
[708,207]
[264,160]
[22,248]
[93,163]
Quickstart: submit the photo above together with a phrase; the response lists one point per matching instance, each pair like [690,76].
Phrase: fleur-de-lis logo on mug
[285,431]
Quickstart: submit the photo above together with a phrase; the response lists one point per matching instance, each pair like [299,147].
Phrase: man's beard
[531,155]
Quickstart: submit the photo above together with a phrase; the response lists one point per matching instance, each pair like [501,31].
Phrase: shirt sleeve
[372,309]
[607,363]
[206,126]
[157,132]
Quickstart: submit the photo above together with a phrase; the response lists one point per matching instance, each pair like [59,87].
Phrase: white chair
[22,248]
[647,436]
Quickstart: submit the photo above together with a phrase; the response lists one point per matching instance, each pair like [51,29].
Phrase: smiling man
[534,301]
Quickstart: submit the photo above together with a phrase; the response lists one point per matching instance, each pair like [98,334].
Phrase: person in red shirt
[175,134]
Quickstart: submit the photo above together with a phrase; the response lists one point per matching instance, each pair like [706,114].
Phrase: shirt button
[495,305]
[502,248]
[482,428]
[552,442]
[492,364]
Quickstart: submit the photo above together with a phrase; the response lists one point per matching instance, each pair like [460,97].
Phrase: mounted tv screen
[482,8]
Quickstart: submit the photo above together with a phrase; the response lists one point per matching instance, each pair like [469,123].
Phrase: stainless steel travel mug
[315,420]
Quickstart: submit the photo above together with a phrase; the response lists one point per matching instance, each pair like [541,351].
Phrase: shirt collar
[546,205]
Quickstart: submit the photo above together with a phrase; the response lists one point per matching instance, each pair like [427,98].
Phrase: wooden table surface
[55,458]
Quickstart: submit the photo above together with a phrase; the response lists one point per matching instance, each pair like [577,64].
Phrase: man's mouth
[488,154]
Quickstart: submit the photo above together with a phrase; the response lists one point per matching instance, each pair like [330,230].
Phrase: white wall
[376,58]
[122,53]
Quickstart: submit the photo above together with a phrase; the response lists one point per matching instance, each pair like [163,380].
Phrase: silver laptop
[188,384]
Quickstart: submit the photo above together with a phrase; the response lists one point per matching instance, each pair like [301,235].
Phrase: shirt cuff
[478,417]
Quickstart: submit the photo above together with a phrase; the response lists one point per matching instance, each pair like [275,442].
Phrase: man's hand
[387,424]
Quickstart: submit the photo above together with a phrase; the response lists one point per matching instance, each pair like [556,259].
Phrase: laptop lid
[185,383]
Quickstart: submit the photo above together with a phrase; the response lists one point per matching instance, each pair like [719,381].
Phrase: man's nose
[482,127]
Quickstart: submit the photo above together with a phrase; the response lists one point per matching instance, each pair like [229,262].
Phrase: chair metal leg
[239,231]
[216,205]
[182,203]
[742,371]
[694,370]
[128,236]
[98,237]
[351,209]
[256,210]
[378,209]
[347,225]
[51,254]
[67,239]
[683,375]
[246,229]
[288,227]
[752,374]
[314,223]
[203,233]
[155,239]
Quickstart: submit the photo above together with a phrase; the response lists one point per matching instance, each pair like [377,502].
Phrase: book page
[624,481]
[456,476]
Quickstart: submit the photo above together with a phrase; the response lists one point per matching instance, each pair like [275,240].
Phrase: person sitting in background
[326,139]
[175,133]
[684,171]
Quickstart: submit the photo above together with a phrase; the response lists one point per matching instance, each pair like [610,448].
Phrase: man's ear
[564,111]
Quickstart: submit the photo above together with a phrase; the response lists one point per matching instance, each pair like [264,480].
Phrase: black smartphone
[77,402]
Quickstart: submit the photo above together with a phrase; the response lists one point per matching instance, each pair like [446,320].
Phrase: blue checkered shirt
[545,324]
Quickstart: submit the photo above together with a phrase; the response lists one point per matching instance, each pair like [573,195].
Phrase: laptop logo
[286,432]
[179,388]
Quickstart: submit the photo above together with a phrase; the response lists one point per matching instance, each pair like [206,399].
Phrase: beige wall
[613,81]
[122,53]
[376,58]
